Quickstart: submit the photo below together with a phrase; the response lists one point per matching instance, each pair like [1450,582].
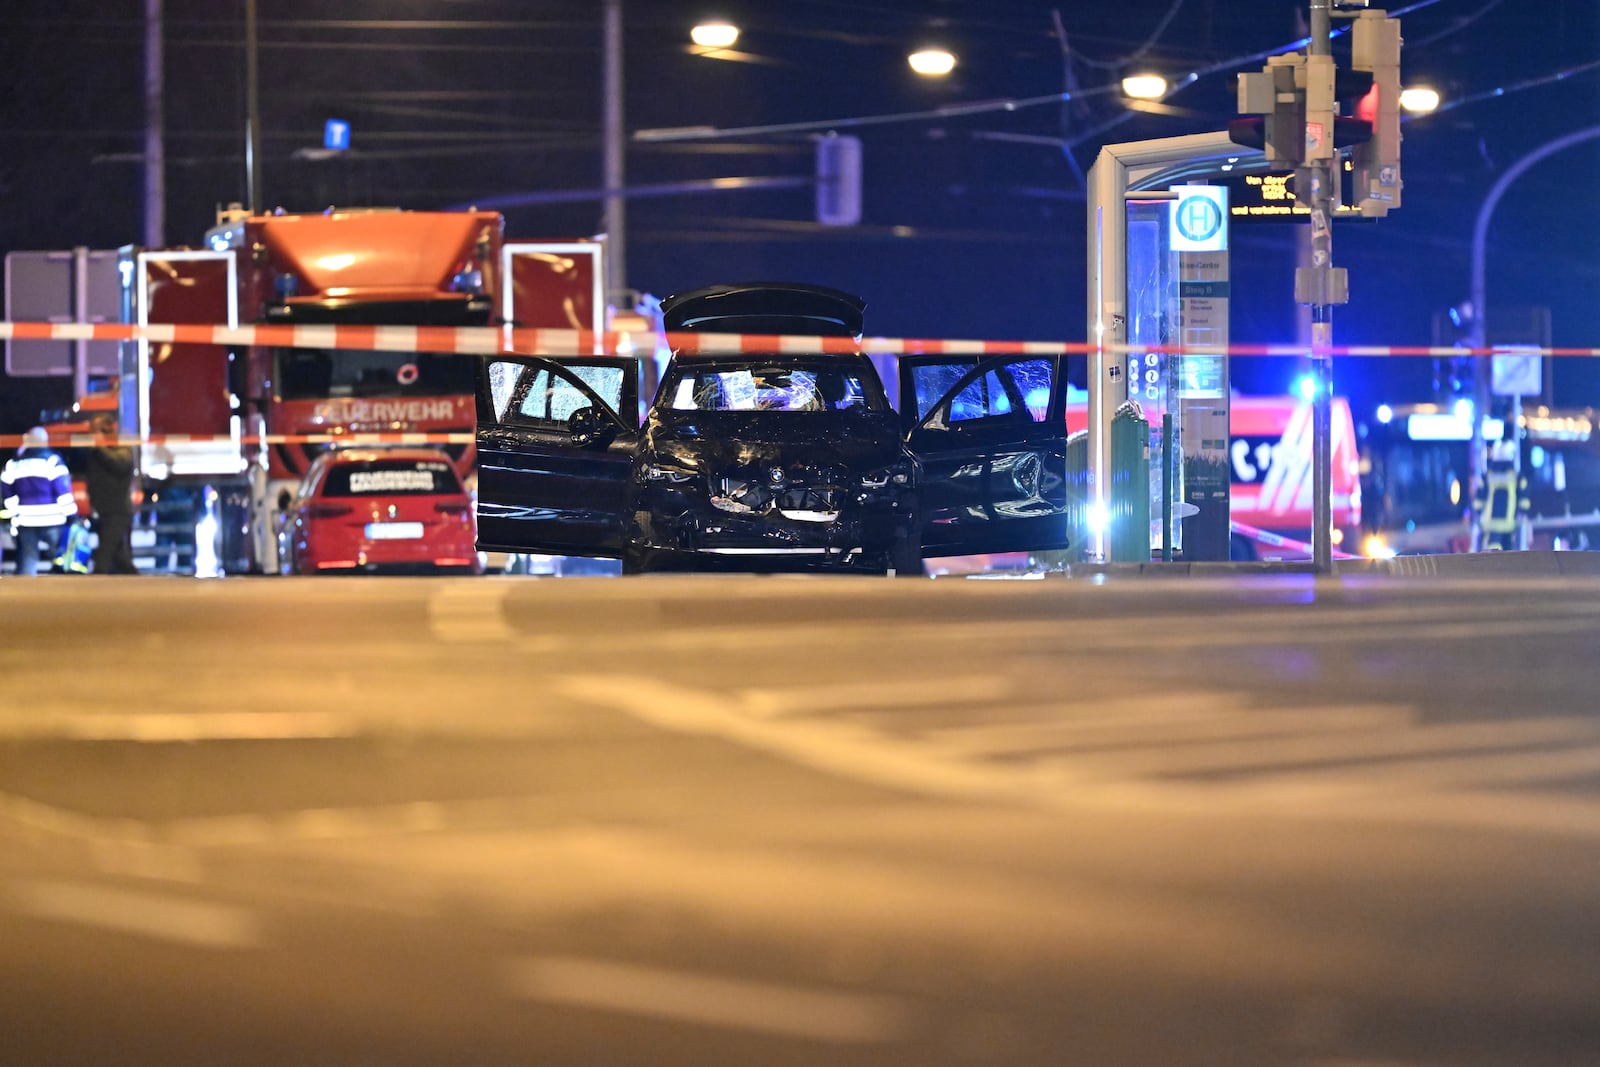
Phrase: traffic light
[1453,328]
[1272,102]
[838,180]
[1375,50]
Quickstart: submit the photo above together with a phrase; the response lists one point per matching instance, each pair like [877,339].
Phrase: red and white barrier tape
[1267,537]
[495,340]
[179,442]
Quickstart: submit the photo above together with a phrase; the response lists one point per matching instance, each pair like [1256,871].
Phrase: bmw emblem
[777,475]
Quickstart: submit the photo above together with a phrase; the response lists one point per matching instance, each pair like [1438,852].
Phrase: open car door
[990,438]
[556,443]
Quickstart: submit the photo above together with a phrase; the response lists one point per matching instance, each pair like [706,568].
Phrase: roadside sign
[76,286]
[1199,219]
[1516,373]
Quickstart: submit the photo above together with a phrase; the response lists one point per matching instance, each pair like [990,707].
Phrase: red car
[396,510]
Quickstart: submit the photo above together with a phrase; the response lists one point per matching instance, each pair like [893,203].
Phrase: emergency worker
[36,491]
[1502,499]
[108,475]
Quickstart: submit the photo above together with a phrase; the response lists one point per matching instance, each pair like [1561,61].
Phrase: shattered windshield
[755,387]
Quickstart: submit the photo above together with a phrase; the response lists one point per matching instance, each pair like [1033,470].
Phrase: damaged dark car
[770,460]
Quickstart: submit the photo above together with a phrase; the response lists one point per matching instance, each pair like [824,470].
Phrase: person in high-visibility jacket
[36,491]
[1502,499]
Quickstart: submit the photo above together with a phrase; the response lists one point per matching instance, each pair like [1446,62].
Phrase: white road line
[1469,770]
[163,727]
[892,693]
[833,746]
[167,918]
[1433,740]
[1151,722]
[706,1000]
[853,750]
[469,612]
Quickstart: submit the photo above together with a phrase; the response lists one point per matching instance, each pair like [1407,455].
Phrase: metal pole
[155,188]
[252,120]
[1166,486]
[1322,178]
[80,313]
[616,220]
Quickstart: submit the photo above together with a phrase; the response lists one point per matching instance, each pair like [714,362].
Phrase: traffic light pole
[1321,173]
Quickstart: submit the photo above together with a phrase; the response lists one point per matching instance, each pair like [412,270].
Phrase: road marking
[470,612]
[166,727]
[1474,769]
[856,751]
[896,693]
[1158,721]
[167,918]
[833,746]
[1326,748]
[707,1000]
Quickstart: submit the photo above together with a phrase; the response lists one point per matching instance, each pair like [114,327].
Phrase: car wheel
[632,560]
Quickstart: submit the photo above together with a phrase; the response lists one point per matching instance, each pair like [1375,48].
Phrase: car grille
[815,503]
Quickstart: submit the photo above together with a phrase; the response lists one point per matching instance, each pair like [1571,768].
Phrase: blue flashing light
[1305,387]
[336,135]
[1385,414]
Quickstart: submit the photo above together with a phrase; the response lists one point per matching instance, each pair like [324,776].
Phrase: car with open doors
[763,455]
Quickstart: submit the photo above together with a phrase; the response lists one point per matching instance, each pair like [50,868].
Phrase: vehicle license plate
[393,531]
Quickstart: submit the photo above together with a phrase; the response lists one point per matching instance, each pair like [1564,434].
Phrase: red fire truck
[248,411]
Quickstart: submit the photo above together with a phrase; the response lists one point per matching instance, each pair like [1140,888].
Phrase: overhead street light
[1419,100]
[1144,86]
[714,34]
[932,62]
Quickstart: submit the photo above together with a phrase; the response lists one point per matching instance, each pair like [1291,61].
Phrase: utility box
[1129,530]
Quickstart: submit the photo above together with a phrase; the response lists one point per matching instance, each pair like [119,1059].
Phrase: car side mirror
[586,426]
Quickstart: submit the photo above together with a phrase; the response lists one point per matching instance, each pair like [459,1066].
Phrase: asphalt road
[1345,822]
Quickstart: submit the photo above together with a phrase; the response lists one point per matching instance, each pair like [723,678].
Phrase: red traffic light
[1249,131]
[1347,132]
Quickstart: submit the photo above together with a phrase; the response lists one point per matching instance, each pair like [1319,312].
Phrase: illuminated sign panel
[1271,198]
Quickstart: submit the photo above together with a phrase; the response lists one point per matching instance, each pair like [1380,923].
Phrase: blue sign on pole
[336,135]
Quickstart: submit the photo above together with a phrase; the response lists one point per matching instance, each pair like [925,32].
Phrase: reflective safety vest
[76,552]
[1504,500]
[37,489]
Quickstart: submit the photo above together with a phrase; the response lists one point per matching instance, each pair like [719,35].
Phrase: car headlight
[662,473]
[884,476]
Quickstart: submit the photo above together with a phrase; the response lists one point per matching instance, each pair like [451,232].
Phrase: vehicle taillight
[328,511]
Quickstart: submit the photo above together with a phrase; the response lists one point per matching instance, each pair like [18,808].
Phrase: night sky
[973,225]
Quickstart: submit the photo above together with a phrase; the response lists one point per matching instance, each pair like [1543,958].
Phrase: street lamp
[714,34]
[1145,86]
[1419,100]
[932,62]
